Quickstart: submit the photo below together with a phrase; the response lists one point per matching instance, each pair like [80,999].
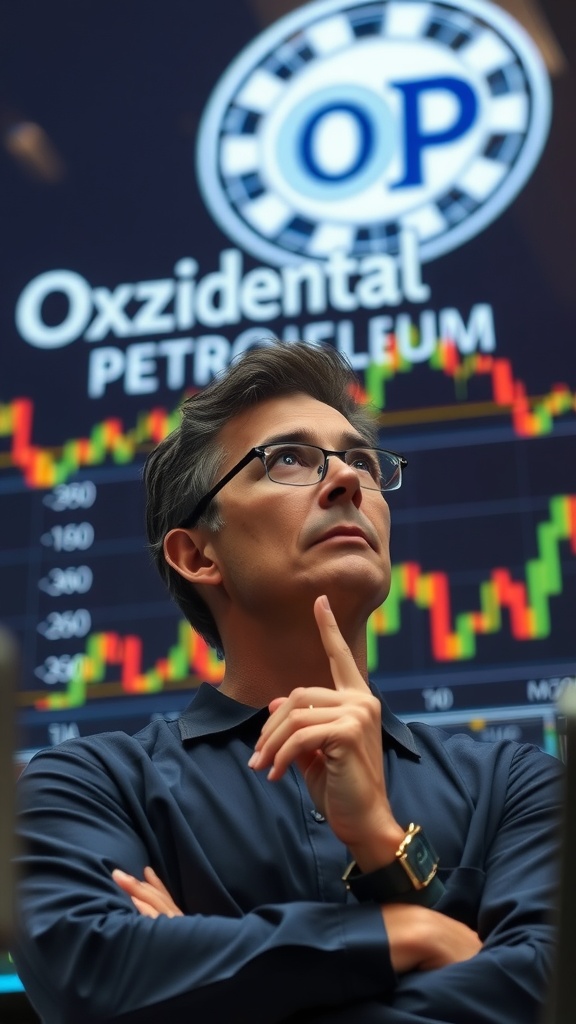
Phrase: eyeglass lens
[302,464]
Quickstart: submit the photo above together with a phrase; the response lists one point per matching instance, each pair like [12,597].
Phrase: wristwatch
[410,878]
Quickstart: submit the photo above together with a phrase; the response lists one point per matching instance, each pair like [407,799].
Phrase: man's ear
[184,551]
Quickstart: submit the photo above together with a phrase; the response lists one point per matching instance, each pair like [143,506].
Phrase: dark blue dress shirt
[270,933]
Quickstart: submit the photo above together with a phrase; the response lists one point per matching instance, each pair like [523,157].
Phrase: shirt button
[317,816]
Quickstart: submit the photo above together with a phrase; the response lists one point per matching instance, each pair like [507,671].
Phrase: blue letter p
[416,140]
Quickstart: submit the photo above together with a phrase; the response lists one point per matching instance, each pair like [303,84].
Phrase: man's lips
[345,531]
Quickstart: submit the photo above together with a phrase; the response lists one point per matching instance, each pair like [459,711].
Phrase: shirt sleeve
[85,954]
[507,982]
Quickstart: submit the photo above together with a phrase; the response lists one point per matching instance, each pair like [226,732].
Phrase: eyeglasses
[303,465]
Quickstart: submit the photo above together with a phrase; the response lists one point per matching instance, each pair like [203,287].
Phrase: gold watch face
[418,858]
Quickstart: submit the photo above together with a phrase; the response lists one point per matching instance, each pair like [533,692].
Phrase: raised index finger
[344,670]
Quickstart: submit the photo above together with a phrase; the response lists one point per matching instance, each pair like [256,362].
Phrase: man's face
[280,543]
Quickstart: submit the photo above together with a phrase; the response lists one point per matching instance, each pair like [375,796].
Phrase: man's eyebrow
[347,439]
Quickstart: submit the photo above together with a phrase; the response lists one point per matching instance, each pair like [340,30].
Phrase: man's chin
[356,587]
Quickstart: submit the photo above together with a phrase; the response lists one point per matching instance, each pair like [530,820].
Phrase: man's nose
[340,481]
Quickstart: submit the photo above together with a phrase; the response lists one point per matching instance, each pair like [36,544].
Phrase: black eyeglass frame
[260,452]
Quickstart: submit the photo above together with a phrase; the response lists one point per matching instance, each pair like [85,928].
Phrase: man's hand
[421,939]
[151,897]
[335,739]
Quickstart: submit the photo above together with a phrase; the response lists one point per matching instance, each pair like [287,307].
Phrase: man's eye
[364,463]
[286,457]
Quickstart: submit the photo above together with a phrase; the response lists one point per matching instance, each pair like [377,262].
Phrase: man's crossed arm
[335,739]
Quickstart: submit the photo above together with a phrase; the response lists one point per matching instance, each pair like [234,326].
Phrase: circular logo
[349,121]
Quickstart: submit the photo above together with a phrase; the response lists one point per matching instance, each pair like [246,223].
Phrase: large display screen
[392,177]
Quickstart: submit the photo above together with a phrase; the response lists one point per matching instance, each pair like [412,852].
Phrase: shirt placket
[329,854]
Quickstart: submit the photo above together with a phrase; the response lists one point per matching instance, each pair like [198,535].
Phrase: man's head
[187,464]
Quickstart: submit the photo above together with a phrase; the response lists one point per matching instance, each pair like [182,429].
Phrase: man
[194,872]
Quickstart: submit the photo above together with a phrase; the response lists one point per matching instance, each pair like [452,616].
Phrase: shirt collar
[211,712]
